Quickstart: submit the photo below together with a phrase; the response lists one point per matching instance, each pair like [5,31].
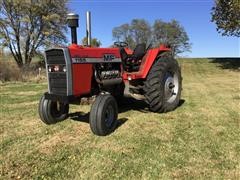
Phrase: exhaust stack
[72,20]
[88,31]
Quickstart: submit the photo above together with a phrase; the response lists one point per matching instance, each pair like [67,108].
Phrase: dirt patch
[50,145]
[62,138]
[87,101]
[113,146]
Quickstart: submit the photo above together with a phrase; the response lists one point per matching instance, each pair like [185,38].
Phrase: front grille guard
[69,90]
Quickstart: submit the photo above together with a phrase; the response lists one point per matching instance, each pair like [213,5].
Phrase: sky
[193,15]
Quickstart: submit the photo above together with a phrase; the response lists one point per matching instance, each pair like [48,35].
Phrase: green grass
[199,140]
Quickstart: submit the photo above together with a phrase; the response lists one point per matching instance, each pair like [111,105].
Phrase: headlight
[57,68]
[64,69]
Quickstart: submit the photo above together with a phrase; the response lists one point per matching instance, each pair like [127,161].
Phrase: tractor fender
[150,58]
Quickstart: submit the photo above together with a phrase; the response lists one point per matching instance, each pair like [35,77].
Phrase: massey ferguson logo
[108,57]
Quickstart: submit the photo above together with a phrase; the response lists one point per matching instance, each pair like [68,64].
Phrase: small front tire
[103,115]
[51,112]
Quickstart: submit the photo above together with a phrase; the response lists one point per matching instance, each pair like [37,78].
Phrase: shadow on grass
[137,105]
[84,117]
[79,116]
[181,102]
[126,104]
[227,63]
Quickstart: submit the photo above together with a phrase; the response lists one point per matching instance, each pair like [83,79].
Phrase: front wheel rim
[57,109]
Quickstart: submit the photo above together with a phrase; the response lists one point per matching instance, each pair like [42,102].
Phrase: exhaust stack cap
[72,20]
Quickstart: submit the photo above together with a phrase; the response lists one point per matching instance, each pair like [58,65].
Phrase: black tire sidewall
[97,115]
[41,111]
[109,102]
[46,112]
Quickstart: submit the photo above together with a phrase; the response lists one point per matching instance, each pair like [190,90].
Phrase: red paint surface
[82,78]
[82,73]
[147,64]
[90,52]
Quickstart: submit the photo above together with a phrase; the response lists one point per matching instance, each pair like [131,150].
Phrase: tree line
[140,31]
[28,26]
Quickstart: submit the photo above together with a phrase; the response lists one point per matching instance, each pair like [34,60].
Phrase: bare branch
[31,24]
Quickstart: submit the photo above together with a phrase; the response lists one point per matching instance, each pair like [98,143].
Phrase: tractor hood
[80,54]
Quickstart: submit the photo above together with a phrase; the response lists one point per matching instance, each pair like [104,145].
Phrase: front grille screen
[57,80]
[58,83]
[55,56]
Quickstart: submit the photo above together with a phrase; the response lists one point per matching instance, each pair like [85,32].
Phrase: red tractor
[74,72]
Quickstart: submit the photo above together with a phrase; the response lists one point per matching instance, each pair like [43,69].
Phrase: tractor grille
[55,56]
[57,81]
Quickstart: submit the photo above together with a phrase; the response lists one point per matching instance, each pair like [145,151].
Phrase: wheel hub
[109,116]
[171,87]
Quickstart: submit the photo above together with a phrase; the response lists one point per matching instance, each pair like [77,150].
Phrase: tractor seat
[132,62]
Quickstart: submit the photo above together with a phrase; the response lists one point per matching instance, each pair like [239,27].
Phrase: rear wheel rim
[171,86]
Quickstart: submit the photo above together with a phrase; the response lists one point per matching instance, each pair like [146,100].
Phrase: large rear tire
[51,112]
[103,115]
[163,84]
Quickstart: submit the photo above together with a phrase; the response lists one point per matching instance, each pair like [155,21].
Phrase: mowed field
[200,139]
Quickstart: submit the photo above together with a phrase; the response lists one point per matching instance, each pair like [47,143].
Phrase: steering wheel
[120,44]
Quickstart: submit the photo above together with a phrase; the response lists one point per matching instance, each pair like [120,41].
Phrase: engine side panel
[83,60]
[82,78]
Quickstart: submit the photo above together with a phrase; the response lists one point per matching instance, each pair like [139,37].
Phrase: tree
[171,34]
[27,25]
[123,33]
[139,31]
[226,15]
[94,42]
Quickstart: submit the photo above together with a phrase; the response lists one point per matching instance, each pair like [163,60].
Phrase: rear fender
[146,64]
